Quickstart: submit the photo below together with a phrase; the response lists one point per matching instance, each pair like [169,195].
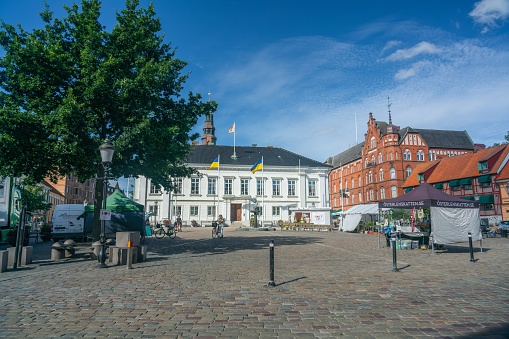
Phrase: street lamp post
[107,151]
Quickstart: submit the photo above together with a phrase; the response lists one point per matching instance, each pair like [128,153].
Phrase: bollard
[471,247]
[129,254]
[394,262]
[271,274]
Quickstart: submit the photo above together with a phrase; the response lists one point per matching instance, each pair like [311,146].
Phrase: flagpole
[234,137]
[263,196]
[218,181]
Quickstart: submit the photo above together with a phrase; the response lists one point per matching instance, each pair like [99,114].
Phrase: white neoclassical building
[286,181]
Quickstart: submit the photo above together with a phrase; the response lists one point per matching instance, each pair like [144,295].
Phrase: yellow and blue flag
[258,166]
[214,164]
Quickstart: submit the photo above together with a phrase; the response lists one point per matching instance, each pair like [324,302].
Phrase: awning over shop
[471,198]
[484,178]
[439,185]
[454,183]
[466,181]
[486,199]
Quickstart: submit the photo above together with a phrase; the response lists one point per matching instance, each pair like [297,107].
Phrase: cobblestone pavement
[328,284]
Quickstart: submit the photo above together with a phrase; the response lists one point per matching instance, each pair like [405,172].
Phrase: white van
[68,222]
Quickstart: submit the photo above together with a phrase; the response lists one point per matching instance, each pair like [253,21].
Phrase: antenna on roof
[389,108]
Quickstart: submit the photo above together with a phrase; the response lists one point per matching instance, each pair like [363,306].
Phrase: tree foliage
[33,197]
[68,86]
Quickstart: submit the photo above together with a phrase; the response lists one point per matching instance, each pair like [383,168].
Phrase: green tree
[507,136]
[68,86]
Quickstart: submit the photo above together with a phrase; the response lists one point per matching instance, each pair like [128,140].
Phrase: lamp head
[107,151]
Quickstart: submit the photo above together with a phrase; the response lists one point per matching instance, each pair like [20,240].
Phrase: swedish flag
[214,164]
[258,166]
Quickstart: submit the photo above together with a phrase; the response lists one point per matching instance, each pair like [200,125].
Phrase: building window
[380,158]
[360,197]
[408,171]
[195,185]
[393,173]
[371,196]
[154,189]
[211,189]
[244,186]
[211,211]
[177,210]
[312,188]
[372,143]
[276,211]
[259,187]
[370,177]
[154,209]
[228,186]
[177,182]
[382,193]
[359,179]
[276,187]
[420,155]
[381,174]
[407,155]
[193,211]
[353,183]
[394,191]
[353,198]
[390,156]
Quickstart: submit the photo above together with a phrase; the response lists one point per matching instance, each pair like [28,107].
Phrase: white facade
[234,192]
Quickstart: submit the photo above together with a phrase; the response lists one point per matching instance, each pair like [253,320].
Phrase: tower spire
[209,137]
[389,107]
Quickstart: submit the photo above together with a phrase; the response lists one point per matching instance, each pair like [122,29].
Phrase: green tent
[118,202]
[126,215]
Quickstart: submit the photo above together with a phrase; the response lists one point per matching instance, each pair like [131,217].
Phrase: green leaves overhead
[71,84]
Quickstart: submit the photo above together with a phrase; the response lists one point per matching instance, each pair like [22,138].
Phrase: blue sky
[304,75]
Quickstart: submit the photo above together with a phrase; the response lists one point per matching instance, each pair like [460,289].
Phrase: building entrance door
[236,212]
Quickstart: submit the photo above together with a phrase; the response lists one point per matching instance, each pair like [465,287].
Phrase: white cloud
[391,44]
[421,48]
[312,95]
[489,12]
[412,71]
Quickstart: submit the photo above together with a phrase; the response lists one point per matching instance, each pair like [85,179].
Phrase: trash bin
[503,233]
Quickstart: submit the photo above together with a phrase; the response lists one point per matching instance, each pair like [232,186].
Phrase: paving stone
[328,285]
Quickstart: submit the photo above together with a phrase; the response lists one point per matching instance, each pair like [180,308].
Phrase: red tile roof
[461,166]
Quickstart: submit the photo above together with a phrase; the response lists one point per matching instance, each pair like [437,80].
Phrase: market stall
[452,218]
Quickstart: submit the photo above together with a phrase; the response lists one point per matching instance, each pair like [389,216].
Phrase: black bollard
[271,274]
[394,262]
[471,247]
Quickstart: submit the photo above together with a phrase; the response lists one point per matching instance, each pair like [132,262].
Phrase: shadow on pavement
[220,246]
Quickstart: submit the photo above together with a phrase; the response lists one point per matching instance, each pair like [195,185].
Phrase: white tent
[353,216]
[452,218]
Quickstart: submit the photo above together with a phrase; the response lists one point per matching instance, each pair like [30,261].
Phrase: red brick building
[482,176]
[377,168]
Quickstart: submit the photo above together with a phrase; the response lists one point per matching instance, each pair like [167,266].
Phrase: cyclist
[178,223]
[220,224]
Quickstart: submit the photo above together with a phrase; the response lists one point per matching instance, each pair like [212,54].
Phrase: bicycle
[165,231]
[216,230]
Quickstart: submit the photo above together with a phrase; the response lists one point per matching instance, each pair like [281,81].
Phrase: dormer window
[420,177]
[482,166]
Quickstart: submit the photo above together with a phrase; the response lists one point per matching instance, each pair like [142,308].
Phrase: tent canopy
[452,219]
[118,202]
[426,196]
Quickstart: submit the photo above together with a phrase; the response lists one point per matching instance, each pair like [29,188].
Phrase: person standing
[179,223]
[220,222]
